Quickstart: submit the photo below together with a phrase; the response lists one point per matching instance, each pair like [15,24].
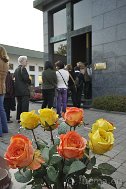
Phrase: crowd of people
[59,81]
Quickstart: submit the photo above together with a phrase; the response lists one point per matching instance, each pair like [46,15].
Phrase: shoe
[10,121]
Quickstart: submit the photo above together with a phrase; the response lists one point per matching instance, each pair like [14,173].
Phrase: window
[82,14]
[59,22]
[11,66]
[60,51]
[40,68]
[31,68]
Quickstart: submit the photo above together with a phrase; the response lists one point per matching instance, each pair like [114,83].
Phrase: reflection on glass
[82,14]
[11,66]
[32,77]
[59,22]
[31,68]
[40,68]
[60,51]
[40,79]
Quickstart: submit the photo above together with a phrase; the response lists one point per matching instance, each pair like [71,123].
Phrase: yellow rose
[48,118]
[103,124]
[29,120]
[101,141]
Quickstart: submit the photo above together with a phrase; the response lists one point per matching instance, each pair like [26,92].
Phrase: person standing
[80,79]
[22,86]
[71,84]
[4,66]
[62,85]
[49,83]
[9,98]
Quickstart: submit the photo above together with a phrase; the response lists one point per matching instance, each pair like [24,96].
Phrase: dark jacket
[9,83]
[49,79]
[22,82]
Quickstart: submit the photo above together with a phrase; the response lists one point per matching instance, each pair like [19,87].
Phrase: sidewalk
[116,157]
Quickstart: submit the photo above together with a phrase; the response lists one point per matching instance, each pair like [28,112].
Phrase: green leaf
[66,169]
[62,129]
[93,160]
[52,173]
[56,141]
[23,176]
[89,166]
[76,166]
[95,172]
[45,154]
[56,158]
[106,168]
[109,180]
[52,150]
[39,186]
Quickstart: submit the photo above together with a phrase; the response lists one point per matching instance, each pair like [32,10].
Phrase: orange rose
[20,152]
[72,145]
[37,161]
[73,116]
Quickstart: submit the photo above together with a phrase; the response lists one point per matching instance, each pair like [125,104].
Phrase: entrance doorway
[81,52]
[81,49]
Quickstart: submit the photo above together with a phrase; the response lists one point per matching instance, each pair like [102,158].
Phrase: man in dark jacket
[22,84]
[9,98]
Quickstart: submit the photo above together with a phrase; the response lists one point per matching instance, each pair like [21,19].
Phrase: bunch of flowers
[68,161]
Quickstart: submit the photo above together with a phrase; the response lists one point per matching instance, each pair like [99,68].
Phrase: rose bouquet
[68,161]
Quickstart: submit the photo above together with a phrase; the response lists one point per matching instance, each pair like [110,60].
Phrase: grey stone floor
[116,157]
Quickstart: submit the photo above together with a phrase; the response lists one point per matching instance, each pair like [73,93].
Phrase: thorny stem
[35,139]
[51,136]
[49,187]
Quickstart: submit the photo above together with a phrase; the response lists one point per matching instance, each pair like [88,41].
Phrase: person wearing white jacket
[62,86]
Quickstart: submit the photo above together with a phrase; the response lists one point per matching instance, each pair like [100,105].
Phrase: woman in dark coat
[9,98]
[49,83]
[22,86]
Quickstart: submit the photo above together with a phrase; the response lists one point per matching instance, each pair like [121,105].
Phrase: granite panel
[121,91]
[97,23]
[104,80]
[97,54]
[117,48]
[102,6]
[121,79]
[103,91]
[104,36]
[111,65]
[121,63]
[121,47]
[121,31]
[114,17]
[121,3]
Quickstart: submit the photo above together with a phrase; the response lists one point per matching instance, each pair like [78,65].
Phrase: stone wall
[109,45]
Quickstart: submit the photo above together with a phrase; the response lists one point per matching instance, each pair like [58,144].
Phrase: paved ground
[116,157]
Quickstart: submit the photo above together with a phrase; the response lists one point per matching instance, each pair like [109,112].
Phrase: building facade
[35,62]
[92,31]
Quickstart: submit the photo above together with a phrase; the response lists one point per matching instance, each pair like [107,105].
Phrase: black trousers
[7,107]
[22,105]
[48,98]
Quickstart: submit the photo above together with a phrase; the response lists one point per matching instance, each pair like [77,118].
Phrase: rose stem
[35,139]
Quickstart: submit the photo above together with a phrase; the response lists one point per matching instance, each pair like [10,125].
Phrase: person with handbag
[49,84]
[22,82]
[62,86]
[72,84]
